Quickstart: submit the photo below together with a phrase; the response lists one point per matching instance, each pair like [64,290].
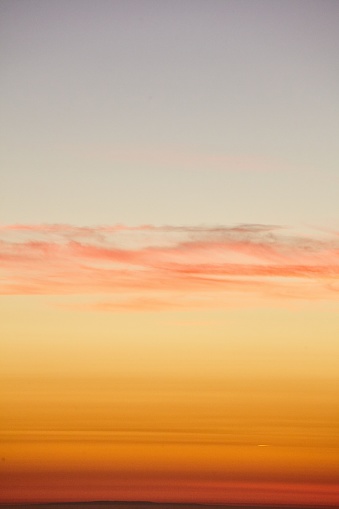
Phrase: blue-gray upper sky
[176,112]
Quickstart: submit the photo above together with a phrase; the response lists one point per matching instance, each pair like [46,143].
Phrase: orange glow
[170,439]
[211,375]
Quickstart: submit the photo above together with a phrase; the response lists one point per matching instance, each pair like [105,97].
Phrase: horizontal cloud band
[160,267]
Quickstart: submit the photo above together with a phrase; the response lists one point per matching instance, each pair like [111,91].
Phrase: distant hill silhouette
[151,505]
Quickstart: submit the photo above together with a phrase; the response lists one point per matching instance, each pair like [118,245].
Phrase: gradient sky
[169,247]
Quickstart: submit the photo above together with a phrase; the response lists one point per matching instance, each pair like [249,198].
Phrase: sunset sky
[169,251]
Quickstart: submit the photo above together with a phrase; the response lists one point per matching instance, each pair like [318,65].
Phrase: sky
[169,246]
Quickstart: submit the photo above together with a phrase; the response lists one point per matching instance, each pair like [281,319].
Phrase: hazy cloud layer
[152,267]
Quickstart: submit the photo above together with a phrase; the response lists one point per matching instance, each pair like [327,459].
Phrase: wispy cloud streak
[164,267]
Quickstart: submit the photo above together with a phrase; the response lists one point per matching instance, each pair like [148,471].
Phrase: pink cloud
[179,158]
[153,267]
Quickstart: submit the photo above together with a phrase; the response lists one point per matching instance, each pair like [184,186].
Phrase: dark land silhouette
[153,505]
